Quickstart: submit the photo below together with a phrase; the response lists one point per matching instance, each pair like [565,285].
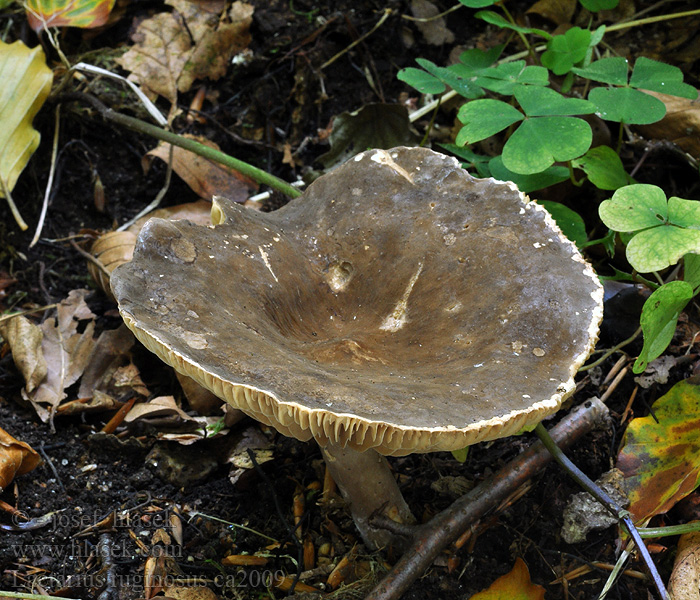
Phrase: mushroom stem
[369,487]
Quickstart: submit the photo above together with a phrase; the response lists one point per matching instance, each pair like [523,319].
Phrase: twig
[613,508]
[188,144]
[48,461]
[434,17]
[52,171]
[155,203]
[385,16]
[432,537]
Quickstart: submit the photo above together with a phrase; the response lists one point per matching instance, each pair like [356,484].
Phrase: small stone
[584,513]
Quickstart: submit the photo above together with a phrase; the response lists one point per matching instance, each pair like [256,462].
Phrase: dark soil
[279,98]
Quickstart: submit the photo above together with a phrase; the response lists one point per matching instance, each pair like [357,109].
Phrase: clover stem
[369,487]
[617,511]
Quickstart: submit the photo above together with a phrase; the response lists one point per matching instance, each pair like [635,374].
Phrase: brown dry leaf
[112,249]
[111,352]
[684,583]
[16,458]
[205,177]
[199,398]
[173,49]
[218,43]
[194,592]
[157,407]
[99,402]
[115,248]
[681,125]
[557,11]
[434,30]
[128,378]
[24,338]
[66,352]
[198,212]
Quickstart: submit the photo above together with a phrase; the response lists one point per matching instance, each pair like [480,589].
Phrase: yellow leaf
[26,85]
[515,585]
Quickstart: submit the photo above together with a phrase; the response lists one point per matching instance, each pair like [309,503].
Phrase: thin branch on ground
[207,152]
[612,507]
[446,527]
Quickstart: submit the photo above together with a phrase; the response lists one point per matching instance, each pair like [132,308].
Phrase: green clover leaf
[663,230]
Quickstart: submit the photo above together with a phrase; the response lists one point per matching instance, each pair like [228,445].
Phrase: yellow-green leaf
[661,457]
[26,83]
[515,585]
[85,14]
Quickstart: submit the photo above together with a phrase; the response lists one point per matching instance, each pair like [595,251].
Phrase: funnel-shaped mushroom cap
[399,304]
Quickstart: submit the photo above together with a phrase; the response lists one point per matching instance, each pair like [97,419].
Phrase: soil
[102,495]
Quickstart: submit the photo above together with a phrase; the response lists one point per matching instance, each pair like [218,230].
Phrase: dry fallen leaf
[172,49]
[515,585]
[433,28]
[684,583]
[111,352]
[16,458]
[557,11]
[205,177]
[115,248]
[681,125]
[24,338]
[66,351]
[193,592]
[157,407]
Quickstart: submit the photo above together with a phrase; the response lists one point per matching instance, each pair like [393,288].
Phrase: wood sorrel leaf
[471,160]
[668,229]
[661,457]
[635,207]
[627,105]
[604,168]
[494,18]
[659,317]
[541,101]
[528,183]
[612,70]
[424,82]
[541,141]
[484,118]
[597,5]
[564,51]
[569,221]
[656,76]
[691,270]
[478,3]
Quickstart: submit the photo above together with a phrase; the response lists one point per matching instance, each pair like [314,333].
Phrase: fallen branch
[432,537]
[188,144]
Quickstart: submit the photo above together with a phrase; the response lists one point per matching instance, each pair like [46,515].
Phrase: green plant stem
[612,351]
[207,152]
[649,20]
[669,530]
[572,177]
[5,189]
[520,33]
[430,125]
[617,511]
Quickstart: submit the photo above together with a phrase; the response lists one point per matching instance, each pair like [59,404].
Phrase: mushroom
[399,305]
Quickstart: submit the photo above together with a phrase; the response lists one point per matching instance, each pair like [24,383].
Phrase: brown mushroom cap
[399,304]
